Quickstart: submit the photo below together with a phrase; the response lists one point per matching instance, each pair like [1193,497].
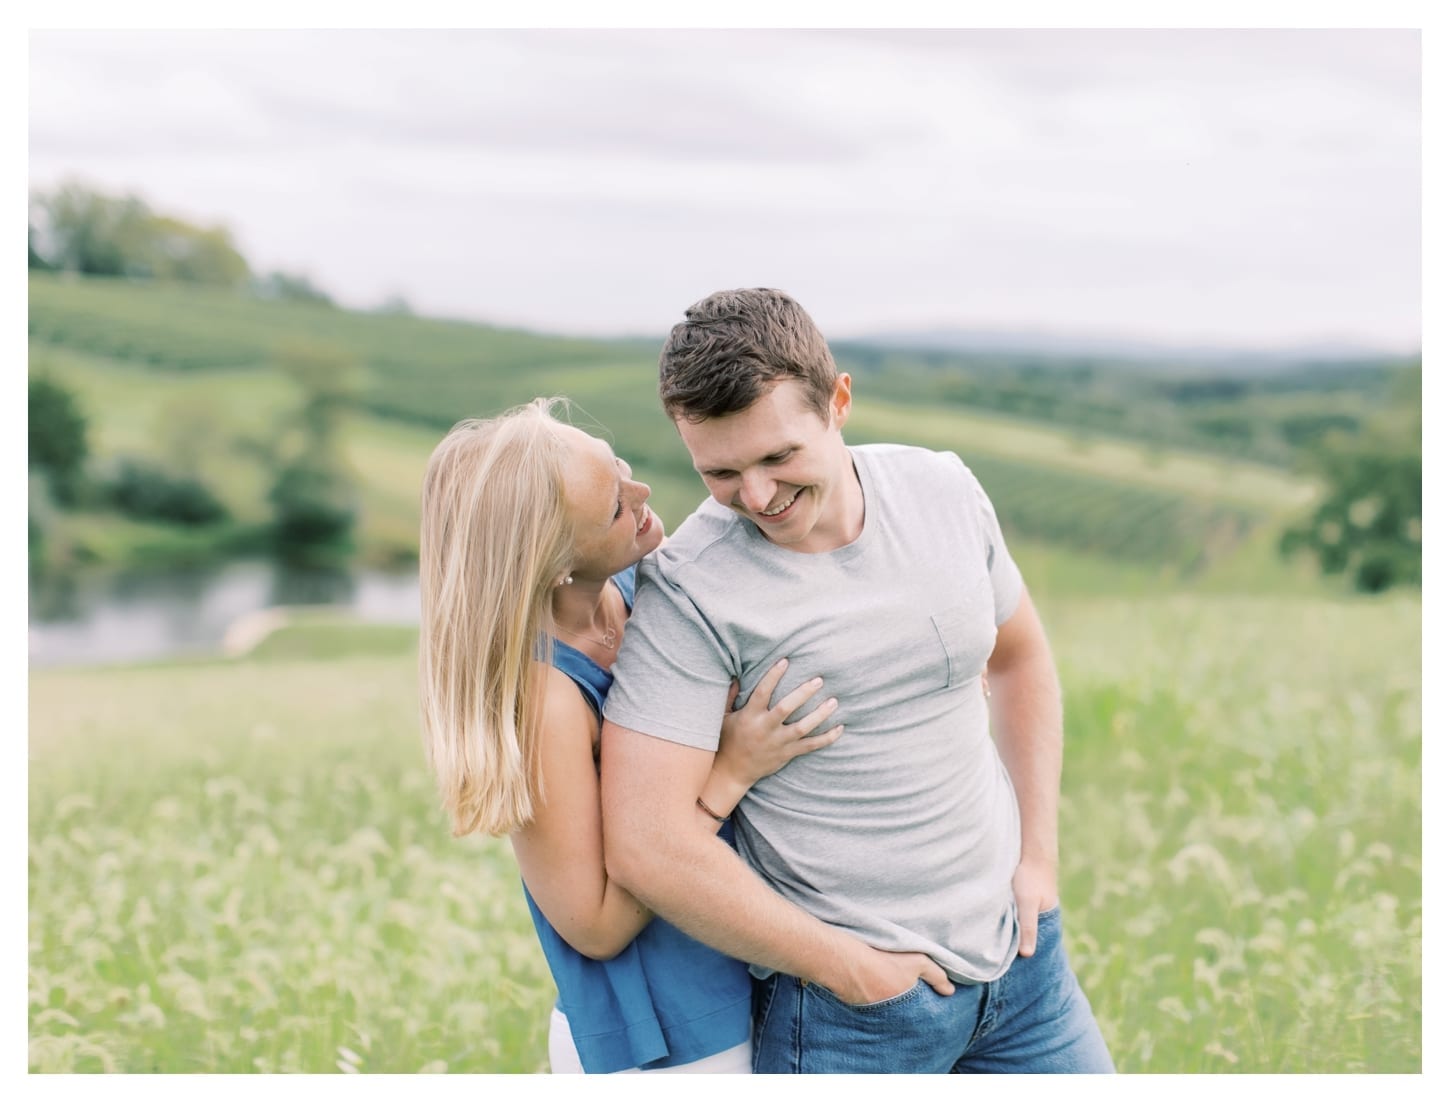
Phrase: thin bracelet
[718,818]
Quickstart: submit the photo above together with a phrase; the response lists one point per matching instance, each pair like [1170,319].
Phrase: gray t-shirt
[905,831]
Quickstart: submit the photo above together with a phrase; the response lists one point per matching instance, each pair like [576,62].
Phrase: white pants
[564,1057]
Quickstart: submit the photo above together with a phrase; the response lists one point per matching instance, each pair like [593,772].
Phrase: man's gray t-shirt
[905,831]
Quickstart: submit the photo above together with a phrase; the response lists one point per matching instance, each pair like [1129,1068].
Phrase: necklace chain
[610,640]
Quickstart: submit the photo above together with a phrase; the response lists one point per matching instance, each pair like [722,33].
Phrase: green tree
[395,305]
[314,507]
[313,496]
[289,287]
[57,438]
[144,489]
[35,261]
[40,520]
[93,233]
[82,230]
[176,250]
[1368,525]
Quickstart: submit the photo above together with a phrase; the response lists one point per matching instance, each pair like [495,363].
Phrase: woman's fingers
[806,724]
[765,687]
[815,742]
[796,697]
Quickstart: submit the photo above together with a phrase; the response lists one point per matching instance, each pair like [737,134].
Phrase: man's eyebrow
[782,450]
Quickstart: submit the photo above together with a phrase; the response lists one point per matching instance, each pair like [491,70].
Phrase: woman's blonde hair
[496,537]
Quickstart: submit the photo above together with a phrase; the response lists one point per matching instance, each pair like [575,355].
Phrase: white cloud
[1242,186]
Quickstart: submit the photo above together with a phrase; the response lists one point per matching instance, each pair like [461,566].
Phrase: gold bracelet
[702,806]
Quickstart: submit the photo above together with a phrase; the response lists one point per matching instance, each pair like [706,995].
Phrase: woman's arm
[756,741]
[561,852]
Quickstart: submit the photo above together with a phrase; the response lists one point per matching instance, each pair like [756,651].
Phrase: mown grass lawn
[240,866]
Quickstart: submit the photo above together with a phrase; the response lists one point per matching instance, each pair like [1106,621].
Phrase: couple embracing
[779,823]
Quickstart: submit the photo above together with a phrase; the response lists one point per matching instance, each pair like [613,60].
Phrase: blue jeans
[1032,1018]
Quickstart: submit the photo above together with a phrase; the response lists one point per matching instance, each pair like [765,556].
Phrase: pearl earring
[567,579]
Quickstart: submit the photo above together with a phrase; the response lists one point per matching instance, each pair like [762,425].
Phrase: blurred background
[1159,289]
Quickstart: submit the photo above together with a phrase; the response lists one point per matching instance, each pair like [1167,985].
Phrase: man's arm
[1026,706]
[652,845]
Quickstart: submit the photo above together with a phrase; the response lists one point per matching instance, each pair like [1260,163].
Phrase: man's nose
[756,490]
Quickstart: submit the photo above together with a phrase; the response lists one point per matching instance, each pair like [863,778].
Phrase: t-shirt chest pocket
[908,652]
[966,639]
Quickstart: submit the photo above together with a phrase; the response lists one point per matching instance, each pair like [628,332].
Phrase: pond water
[133,616]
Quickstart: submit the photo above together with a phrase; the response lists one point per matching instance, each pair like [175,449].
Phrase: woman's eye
[619,509]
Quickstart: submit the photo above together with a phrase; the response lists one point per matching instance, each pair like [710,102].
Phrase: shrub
[143,490]
[314,507]
[57,438]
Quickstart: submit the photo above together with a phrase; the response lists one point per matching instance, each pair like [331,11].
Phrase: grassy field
[240,866]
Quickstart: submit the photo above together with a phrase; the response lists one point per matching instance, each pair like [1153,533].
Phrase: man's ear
[841,401]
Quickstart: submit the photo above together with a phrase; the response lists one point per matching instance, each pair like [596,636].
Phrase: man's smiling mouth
[782,507]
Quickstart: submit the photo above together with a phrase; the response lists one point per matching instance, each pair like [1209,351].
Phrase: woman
[530,535]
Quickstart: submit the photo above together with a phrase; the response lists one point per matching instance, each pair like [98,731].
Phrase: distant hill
[1085,460]
[1165,356]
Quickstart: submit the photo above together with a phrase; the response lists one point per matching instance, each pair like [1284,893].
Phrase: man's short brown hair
[733,345]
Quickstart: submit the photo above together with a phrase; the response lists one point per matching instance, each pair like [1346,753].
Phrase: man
[898,895]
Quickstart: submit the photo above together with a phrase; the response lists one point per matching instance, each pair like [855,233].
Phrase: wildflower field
[240,866]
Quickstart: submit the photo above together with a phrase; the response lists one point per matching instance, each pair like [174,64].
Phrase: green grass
[240,866]
[326,634]
[1241,828]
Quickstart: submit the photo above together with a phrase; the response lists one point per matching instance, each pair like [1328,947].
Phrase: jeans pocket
[909,995]
[1049,928]
[763,998]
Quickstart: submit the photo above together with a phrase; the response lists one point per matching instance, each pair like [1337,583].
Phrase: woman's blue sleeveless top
[666,999]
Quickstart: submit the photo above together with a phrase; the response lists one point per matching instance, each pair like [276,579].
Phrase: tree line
[311,496]
[74,228]
[312,499]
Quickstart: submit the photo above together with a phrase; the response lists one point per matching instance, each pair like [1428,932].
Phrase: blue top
[666,999]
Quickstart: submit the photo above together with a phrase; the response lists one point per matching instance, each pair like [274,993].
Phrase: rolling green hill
[157,365]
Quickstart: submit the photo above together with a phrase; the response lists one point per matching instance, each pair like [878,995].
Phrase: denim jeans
[1032,1018]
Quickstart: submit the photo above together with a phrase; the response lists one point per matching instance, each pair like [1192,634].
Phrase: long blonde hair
[495,539]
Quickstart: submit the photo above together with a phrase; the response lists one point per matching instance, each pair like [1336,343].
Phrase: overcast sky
[1241,188]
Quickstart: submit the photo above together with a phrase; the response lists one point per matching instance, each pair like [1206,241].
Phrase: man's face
[782,466]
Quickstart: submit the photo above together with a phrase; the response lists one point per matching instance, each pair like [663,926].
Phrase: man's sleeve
[1006,578]
[673,672]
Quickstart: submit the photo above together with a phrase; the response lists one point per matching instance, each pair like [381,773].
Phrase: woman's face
[613,527]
